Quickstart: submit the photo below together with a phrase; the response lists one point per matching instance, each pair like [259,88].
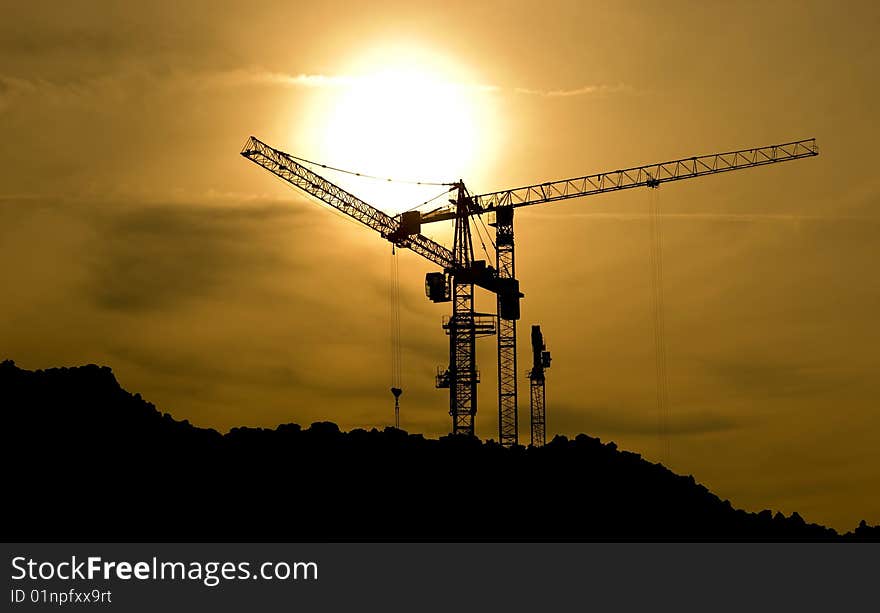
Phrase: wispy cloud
[317,80]
[118,86]
[642,420]
[12,88]
[586,90]
[241,77]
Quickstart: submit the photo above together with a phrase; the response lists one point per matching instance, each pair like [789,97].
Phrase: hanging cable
[366,176]
[396,371]
[440,195]
[482,243]
[488,234]
[659,325]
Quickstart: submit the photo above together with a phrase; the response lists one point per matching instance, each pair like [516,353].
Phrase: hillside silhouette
[86,460]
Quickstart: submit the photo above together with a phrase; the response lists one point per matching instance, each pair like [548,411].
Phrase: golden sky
[132,234]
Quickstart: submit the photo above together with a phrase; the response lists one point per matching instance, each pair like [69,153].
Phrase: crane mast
[461,377]
[507,310]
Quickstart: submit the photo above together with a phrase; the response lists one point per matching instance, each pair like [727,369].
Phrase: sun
[410,119]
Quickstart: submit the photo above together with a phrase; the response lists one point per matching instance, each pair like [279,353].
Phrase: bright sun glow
[404,120]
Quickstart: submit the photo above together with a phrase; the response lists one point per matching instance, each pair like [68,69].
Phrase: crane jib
[399,230]
[651,175]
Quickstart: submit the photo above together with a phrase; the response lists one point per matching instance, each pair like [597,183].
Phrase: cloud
[155,256]
[317,80]
[641,421]
[586,90]
[109,88]
[133,82]
[185,365]
[12,88]
[139,256]
[792,378]
[243,77]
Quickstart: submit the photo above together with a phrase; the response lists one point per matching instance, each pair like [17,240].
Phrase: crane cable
[394,295]
[367,176]
[430,200]
[482,242]
[488,235]
[659,325]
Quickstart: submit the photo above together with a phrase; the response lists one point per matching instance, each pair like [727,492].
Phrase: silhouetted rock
[87,460]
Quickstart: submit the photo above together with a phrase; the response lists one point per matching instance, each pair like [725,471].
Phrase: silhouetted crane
[537,396]
[502,204]
[396,392]
[461,272]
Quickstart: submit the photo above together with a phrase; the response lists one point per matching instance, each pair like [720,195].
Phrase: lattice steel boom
[651,175]
[283,165]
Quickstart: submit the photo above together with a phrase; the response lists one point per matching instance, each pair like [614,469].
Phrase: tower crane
[456,283]
[461,272]
[502,204]
[537,396]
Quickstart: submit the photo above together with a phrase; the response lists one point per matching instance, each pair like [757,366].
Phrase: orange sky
[132,234]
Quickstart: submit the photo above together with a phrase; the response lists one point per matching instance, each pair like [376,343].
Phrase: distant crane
[396,391]
[537,397]
[461,272]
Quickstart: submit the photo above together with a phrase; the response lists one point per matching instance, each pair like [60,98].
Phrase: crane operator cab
[437,287]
